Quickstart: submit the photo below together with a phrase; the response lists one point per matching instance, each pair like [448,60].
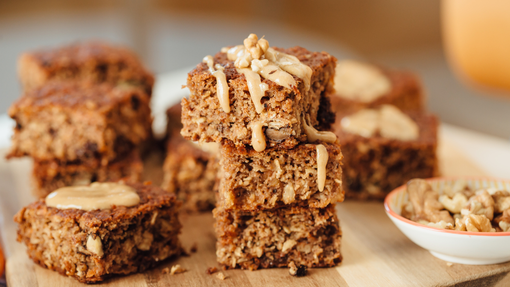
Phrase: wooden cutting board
[375,252]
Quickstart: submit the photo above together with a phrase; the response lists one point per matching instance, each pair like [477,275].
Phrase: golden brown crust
[204,120]
[406,93]
[255,180]
[133,238]
[274,238]
[94,62]
[375,166]
[76,120]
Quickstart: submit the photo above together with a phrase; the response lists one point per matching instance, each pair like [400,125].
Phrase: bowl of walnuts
[460,220]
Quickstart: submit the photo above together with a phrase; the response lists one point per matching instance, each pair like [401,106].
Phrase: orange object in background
[2,262]
[477,40]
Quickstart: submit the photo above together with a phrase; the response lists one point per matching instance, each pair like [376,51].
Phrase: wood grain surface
[375,252]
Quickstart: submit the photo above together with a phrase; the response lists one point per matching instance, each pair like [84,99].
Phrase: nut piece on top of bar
[79,120]
[308,175]
[385,147]
[49,175]
[275,238]
[104,229]
[256,95]
[190,168]
[95,62]
[360,85]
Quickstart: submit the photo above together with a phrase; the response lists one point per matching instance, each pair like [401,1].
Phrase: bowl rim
[397,216]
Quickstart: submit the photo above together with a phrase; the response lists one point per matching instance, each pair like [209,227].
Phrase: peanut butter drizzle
[291,65]
[258,140]
[322,161]
[221,83]
[98,195]
[314,135]
[256,87]
[388,120]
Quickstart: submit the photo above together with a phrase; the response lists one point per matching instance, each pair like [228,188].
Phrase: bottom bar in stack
[277,237]
[52,174]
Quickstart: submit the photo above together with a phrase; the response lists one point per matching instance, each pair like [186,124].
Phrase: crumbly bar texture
[406,93]
[95,62]
[133,239]
[52,174]
[374,166]
[253,180]
[190,173]
[75,120]
[284,108]
[274,238]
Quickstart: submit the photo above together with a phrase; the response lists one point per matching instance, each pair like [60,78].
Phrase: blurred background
[177,34]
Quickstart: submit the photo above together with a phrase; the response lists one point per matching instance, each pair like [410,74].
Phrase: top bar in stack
[91,61]
[78,120]
[256,95]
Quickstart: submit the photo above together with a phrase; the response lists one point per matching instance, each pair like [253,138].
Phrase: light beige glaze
[322,161]
[291,65]
[395,124]
[98,195]
[314,135]
[272,72]
[221,83]
[256,87]
[258,139]
[360,82]
[364,123]
[388,120]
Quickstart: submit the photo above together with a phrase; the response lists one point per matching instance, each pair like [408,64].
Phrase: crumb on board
[165,270]
[211,270]
[221,276]
[194,248]
[297,271]
[449,264]
[176,269]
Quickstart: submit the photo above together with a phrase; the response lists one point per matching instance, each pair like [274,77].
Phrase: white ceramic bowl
[477,248]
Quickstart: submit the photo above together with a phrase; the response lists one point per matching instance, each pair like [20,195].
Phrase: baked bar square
[93,245]
[53,174]
[253,180]
[361,85]
[95,62]
[373,166]
[275,238]
[70,121]
[190,171]
[284,109]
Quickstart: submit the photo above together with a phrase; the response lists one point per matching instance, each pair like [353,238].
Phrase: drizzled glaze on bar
[95,196]
[322,161]
[221,80]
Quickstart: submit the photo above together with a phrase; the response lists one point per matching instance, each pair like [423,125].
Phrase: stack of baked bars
[279,178]
[83,115]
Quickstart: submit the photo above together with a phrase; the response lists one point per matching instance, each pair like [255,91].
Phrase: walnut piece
[460,186]
[480,204]
[455,204]
[256,47]
[176,269]
[501,201]
[503,221]
[278,134]
[95,245]
[441,224]
[425,202]
[221,276]
[478,223]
